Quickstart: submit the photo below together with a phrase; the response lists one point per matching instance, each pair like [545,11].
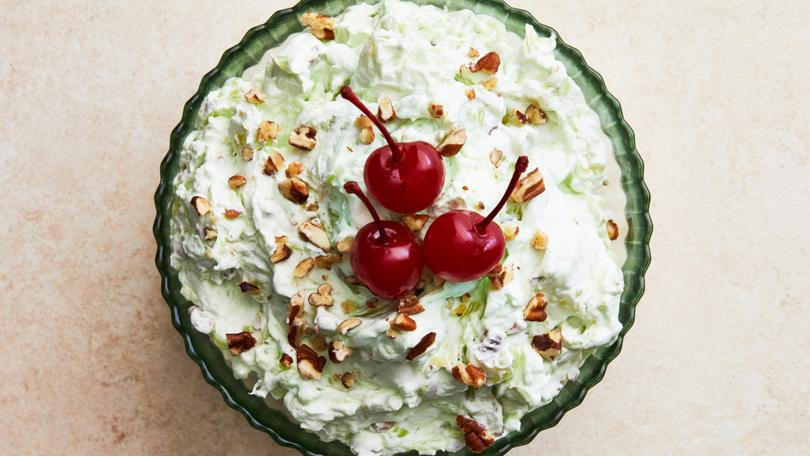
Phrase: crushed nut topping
[201,205]
[453,142]
[310,365]
[473,53]
[347,380]
[318,342]
[294,169]
[363,122]
[322,27]
[421,347]
[282,251]
[209,234]
[295,320]
[322,297]
[385,110]
[367,135]
[519,116]
[315,234]
[254,97]
[479,206]
[294,190]
[489,63]
[529,187]
[303,137]
[391,333]
[536,309]
[410,305]
[548,345]
[500,276]
[495,157]
[510,232]
[232,214]
[237,181]
[285,360]
[470,375]
[490,83]
[436,110]
[476,435]
[470,94]
[612,230]
[267,131]
[348,324]
[339,351]
[345,245]
[535,115]
[402,322]
[274,163]
[328,260]
[247,153]
[303,268]
[240,342]
[540,240]
[249,288]
[415,222]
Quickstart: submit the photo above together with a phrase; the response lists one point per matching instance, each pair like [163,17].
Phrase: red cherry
[385,256]
[461,245]
[403,177]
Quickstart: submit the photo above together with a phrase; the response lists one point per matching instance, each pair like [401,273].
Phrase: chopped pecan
[339,351]
[489,63]
[535,115]
[295,320]
[348,324]
[282,251]
[548,345]
[249,288]
[232,214]
[322,27]
[470,94]
[294,169]
[253,96]
[201,205]
[415,222]
[328,260]
[274,163]
[303,267]
[500,276]
[385,110]
[435,110]
[612,230]
[490,83]
[536,309]
[322,296]
[294,190]
[347,380]
[453,142]
[421,347]
[402,322]
[209,234]
[240,342]
[310,365]
[519,116]
[367,135]
[495,157]
[510,232]
[267,131]
[540,240]
[363,122]
[470,375]
[345,245]
[303,137]
[315,234]
[473,53]
[476,436]
[410,305]
[285,360]
[237,181]
[529,187]
[247,153]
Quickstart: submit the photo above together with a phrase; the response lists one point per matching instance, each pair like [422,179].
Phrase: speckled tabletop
[718,96]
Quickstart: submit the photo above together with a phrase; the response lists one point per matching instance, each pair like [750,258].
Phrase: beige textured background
[716,91]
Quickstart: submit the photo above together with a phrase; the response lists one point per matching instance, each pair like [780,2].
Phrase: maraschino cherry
[385,256]
[461,245]
[403,177]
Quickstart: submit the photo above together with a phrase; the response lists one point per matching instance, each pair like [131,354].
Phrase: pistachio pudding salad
[393,226]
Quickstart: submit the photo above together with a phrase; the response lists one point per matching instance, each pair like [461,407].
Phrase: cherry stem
[354,188]
[347,93]
[520,167]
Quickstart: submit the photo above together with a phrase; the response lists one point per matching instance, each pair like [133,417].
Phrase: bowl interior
[639,227]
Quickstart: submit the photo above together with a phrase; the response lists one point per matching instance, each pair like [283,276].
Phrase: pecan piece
[285,360]
[500,276]
[347,380]
[209,234]
[240,342]
[237,181]
[476,435]
[322,296]
[310,365]
[510,232]
[267,131]
[495,157]
[232,214]
[345,245]
[328,260]
[452,143]
[421,347]
[490,83]
[402,322]
[249,288]
[415,222]
[540,240]
[535,115]
[470,94]
[536,309]
[385,110]
[470,375]
[201,205]
[436,110]
[253,96]
[348,324]
[315,234]
[294,190]
[274,163]
[282,251]
[247,153]
[548,345]
[612,230]
[489,63]
[410,305]
[339,351]
[303,137]
[473,53]
[529,187]
[303,268]
[294,169]
[322,27]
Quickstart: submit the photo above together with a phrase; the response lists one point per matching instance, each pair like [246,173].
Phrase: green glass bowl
[247,53]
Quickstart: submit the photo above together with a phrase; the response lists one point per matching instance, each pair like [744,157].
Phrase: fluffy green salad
[261,229]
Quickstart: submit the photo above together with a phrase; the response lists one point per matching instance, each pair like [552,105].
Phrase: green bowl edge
[637,242]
